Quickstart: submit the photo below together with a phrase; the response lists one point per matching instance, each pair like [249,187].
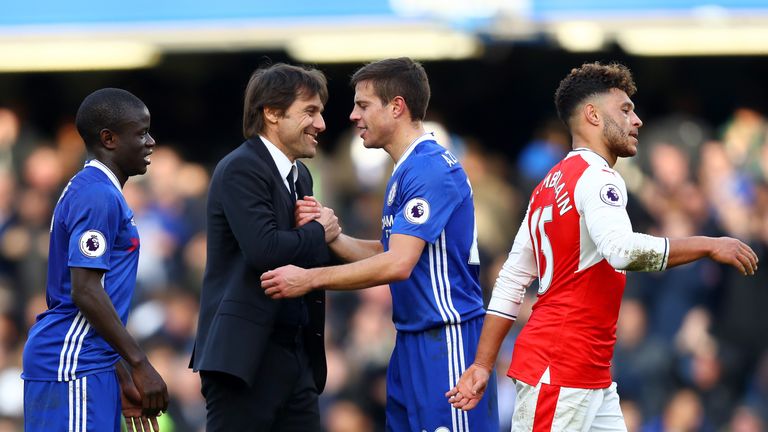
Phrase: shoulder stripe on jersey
[73,342]
[441,288]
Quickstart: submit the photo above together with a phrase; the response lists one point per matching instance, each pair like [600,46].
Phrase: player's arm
[517,273]
[601,198]
[724,250]
[611,230]
[394,265]
[350,249]
[93,302]
[347,249]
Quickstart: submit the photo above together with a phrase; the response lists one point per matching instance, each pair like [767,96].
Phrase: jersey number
[544,250]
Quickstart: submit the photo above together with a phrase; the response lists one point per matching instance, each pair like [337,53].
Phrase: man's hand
[286,282]
[151,387]
[330,223]
[307,210]
[727,250]
[131,402]
[470,388]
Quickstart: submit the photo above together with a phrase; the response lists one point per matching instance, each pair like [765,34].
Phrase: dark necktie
[291,184]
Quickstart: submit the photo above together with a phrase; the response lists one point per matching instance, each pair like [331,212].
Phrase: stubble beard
[618,141]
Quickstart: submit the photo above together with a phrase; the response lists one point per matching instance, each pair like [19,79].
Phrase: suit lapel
[261,149]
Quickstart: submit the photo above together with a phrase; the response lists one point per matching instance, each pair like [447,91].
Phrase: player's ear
[590,114]
[108,138]
[398,106]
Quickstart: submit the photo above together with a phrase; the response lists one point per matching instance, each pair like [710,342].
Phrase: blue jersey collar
[108,172]
[429,136]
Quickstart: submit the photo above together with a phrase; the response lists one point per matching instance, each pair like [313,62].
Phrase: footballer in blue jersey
[427,255]
[79,356]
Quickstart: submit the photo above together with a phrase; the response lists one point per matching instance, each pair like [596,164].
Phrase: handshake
[309,209]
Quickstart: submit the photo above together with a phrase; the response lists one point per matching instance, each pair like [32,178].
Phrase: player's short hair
[278,86]
[588,80]
[398,77]
[106,108]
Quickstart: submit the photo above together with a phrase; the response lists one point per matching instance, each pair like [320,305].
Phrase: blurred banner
[76,35]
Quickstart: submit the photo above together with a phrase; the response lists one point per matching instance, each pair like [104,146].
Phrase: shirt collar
[284,164]
[108,172]
[429,136]
[590,156]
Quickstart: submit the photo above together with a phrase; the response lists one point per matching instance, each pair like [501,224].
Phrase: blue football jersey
[92,227]
[429,197]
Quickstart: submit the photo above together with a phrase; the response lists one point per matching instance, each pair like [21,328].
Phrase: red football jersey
[570,336]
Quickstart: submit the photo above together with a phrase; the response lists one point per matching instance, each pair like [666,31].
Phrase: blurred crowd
[692,352]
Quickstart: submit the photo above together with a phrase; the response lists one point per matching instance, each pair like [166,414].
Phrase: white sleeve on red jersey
[601,199]
[517,273]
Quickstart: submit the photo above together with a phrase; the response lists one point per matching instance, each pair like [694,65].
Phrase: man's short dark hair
[106,108]
[398,77]
[588,80]
[277,87]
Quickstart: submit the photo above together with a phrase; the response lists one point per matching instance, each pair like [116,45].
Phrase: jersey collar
[108,172]
[590,156]
[429,136]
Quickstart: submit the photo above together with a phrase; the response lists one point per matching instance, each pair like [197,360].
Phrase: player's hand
[286,282]
[470,388]
[151,387]
[330,223]
[734,252]
[131,405]
[307,210]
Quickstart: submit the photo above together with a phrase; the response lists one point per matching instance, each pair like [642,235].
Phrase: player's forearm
[350,249]
[97,308]
[688,249]
[495,329]
[123,372]
[376,270]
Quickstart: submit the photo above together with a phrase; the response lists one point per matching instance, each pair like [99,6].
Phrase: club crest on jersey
[392,193]
[93,244]
[416,211]
[611,195]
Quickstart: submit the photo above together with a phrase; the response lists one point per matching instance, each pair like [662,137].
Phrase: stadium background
[692,351]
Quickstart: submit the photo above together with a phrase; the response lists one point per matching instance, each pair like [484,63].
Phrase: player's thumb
[478,388]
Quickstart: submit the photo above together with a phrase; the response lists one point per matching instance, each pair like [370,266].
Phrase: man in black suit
[262,362]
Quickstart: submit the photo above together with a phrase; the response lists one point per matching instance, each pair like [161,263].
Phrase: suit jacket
[250,227]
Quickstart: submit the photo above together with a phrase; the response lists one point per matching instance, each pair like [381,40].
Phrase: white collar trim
[425,137]
[103,168]
[590,156]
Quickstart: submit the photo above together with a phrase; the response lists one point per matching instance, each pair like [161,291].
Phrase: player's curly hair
[588,80]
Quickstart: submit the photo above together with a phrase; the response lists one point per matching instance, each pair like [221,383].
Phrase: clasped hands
[291,281]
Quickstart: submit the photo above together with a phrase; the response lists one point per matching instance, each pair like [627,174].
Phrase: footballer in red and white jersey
[575,235]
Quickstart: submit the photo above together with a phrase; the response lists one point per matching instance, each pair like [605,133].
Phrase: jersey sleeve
[92,223]
[601,197]
[429,197]
[516,275]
